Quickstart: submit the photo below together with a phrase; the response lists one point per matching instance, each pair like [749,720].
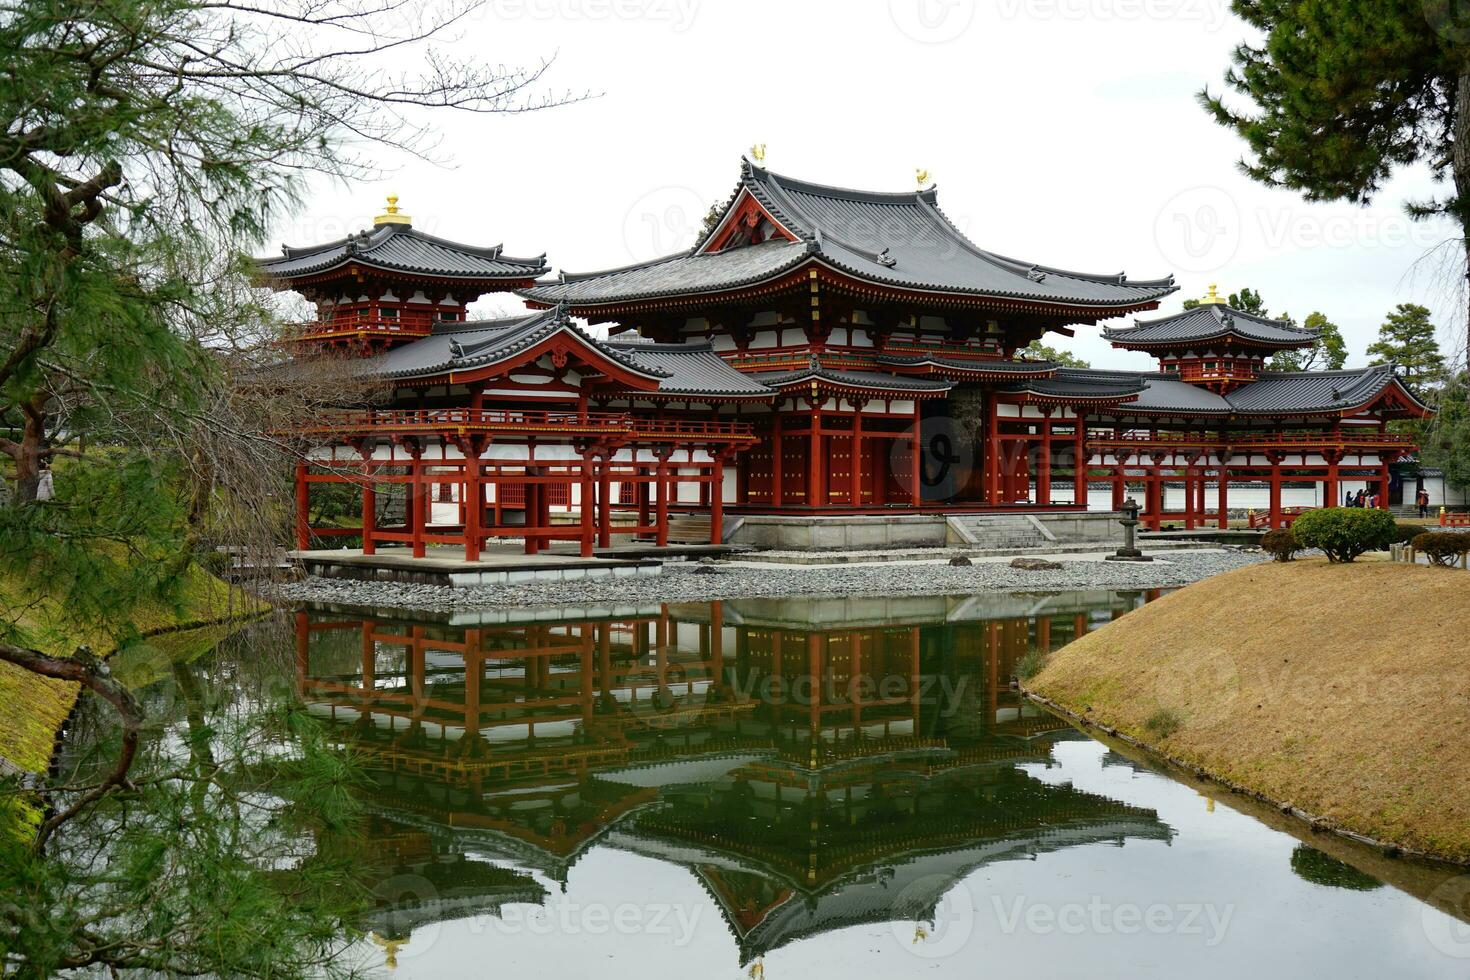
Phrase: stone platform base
[493,569]
[769,532]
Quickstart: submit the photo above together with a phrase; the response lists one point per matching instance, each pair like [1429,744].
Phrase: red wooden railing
[612,425]
[1308,439]
[1446,519]
[350,325]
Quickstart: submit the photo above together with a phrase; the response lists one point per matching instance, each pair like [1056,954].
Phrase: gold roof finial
[758,153]
[391,215]
[922,176]
[1212,297]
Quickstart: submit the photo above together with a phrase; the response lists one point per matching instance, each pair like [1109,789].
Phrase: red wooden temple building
[821,352]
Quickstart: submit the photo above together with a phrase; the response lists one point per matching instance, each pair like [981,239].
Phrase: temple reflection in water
[814,763]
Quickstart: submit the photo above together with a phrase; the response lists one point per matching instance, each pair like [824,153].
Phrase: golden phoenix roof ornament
[921,175]
[758,153]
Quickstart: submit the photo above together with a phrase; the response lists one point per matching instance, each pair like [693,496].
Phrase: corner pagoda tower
[391,283]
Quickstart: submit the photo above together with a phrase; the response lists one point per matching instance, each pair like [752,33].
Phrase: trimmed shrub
[1443,548]
[1344,533]
[1280,544]
[1164,722]
[1405,533]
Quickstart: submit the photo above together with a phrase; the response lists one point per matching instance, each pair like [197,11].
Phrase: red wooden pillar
[1383,482]
[778,496]
[641,474]
[587,492]
[369,507]
[855,491]
[1043,463]
[1189,497]
[303,507]
[1275,505]
[1329,485]
[661,512]
[604,502]
[1223,492]
[1080,467]
[816,492]
[1120,487]
[472,505]
[717,499]
[916,462]
[991,455]
[415,504]
[1154,495]
[531,507]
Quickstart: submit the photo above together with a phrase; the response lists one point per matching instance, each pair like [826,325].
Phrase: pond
[798,788]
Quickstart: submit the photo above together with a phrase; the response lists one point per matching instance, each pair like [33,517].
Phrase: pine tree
[1346,92]
[1406,338]
[1037,351]
[1329,353]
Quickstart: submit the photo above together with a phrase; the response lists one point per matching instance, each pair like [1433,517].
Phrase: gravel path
[681,582]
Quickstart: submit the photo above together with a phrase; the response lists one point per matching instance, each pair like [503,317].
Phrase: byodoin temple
[821,353]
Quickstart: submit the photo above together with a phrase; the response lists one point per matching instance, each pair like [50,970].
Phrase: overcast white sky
[1060,131]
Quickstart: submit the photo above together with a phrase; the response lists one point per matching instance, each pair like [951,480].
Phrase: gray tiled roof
[1271,394]
[1313,390]
[1211,321]
[401,248]
[693,369]
[901,240]
[997,366]
[681,369]
[855,379]
[466,346]
[684,274]
[1080,388]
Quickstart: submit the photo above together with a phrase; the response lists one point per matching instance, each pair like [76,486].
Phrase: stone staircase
[997,531]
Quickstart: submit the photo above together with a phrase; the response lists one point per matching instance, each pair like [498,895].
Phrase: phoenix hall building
[823,362]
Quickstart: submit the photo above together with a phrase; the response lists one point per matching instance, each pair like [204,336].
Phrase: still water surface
[804,788]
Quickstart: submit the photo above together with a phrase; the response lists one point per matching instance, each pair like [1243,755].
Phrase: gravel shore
[685,582]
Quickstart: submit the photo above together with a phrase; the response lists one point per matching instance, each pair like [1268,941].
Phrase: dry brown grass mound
[1341,689]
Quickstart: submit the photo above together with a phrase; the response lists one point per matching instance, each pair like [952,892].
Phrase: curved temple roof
[693,370]
[1211,321]
[900,240]
[401,248]
[1270,395]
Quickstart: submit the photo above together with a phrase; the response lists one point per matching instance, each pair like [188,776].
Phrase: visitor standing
[1422,499]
